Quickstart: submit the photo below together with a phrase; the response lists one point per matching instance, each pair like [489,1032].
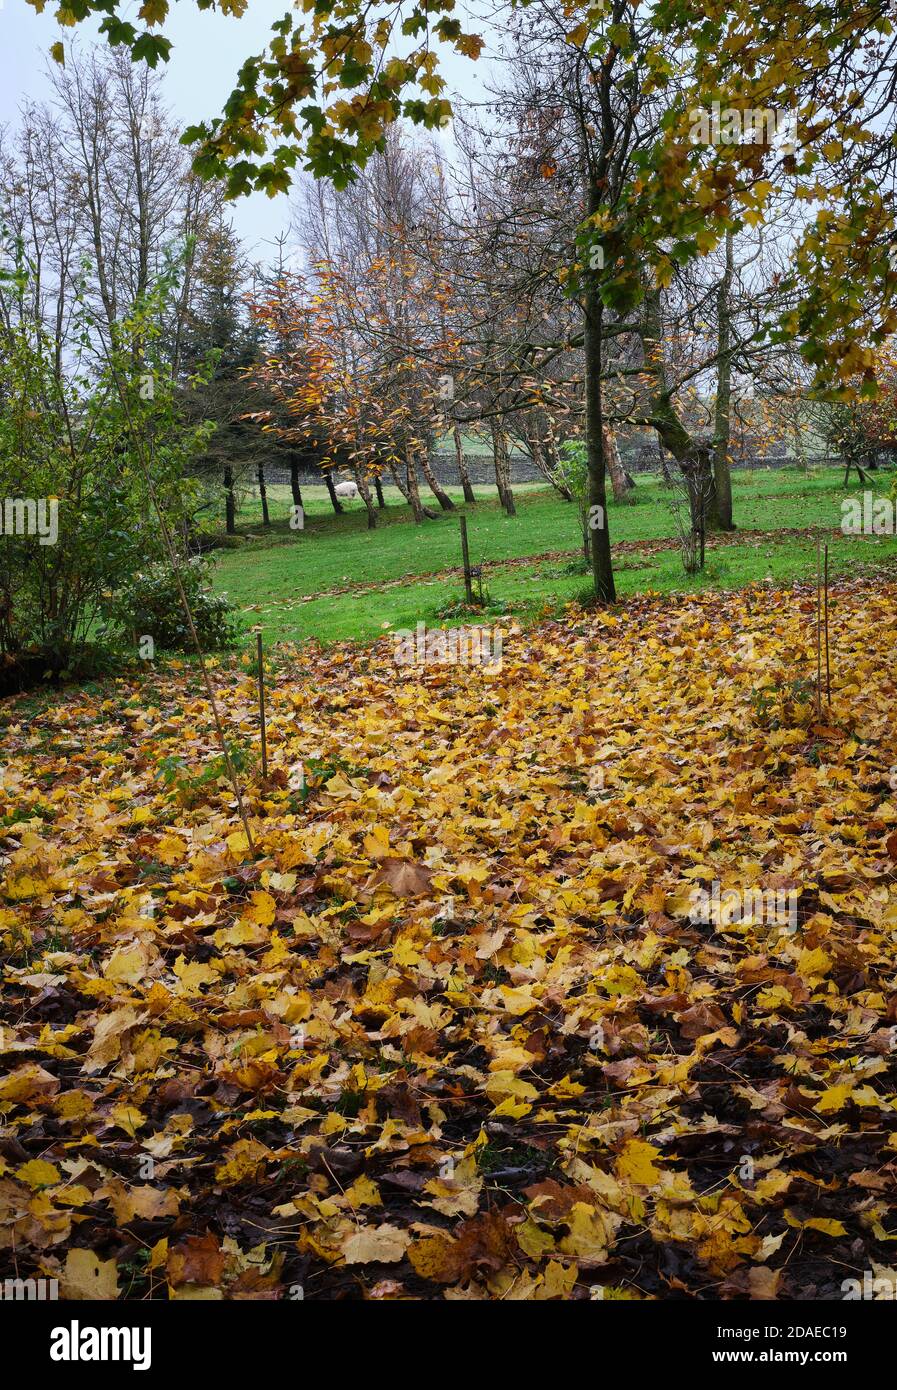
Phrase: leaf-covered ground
[452,1033]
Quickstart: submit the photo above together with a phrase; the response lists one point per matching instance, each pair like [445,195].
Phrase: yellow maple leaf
[636,1163]
[38,1173]
[85,1276]
[262,909]
[834,1098]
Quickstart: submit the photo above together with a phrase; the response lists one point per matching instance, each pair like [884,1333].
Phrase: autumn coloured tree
[864,428]
[663,104]
[359,386]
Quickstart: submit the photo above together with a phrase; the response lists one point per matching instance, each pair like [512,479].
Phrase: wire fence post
[465,552]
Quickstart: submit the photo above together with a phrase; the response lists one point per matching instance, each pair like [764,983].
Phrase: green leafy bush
[83,444]
[149,604]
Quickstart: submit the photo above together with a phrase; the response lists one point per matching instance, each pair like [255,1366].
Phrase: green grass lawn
[279,578]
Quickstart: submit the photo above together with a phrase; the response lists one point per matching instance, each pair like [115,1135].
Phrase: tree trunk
[263,494]
[698,473]
[378,488]
[413,492]
[799,450]
[398,482]
[334,500]
[851,463]
[622,484]
[433,484]
[541,462]
[719,509]
[502,462]
[461,461]
[295,489]
[497,461]
[552,462]
[694,458]
[230,506]
[367,499]
[510,506]
[602,567]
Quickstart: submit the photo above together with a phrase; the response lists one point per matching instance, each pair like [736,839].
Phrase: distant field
[281,579]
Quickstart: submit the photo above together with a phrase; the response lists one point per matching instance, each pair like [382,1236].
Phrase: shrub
[79,443]
[150,605]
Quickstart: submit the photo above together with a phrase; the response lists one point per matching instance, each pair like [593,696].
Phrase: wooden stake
[145,458]
[468,581]
[828,667]
[258,648]
[818,627]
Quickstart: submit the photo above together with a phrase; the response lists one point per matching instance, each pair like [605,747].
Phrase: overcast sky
[208,50]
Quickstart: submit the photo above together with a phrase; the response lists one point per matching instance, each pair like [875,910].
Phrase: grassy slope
[271,576]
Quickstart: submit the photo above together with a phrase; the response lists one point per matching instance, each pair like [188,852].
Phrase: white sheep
[346,489]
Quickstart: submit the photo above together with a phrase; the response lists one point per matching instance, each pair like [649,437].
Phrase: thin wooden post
[258,648]
[465,552]
[263,494]
[818,627]
[828,668]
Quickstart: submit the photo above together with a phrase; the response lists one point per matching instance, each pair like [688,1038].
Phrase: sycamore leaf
[85,1276]
[376,1245]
